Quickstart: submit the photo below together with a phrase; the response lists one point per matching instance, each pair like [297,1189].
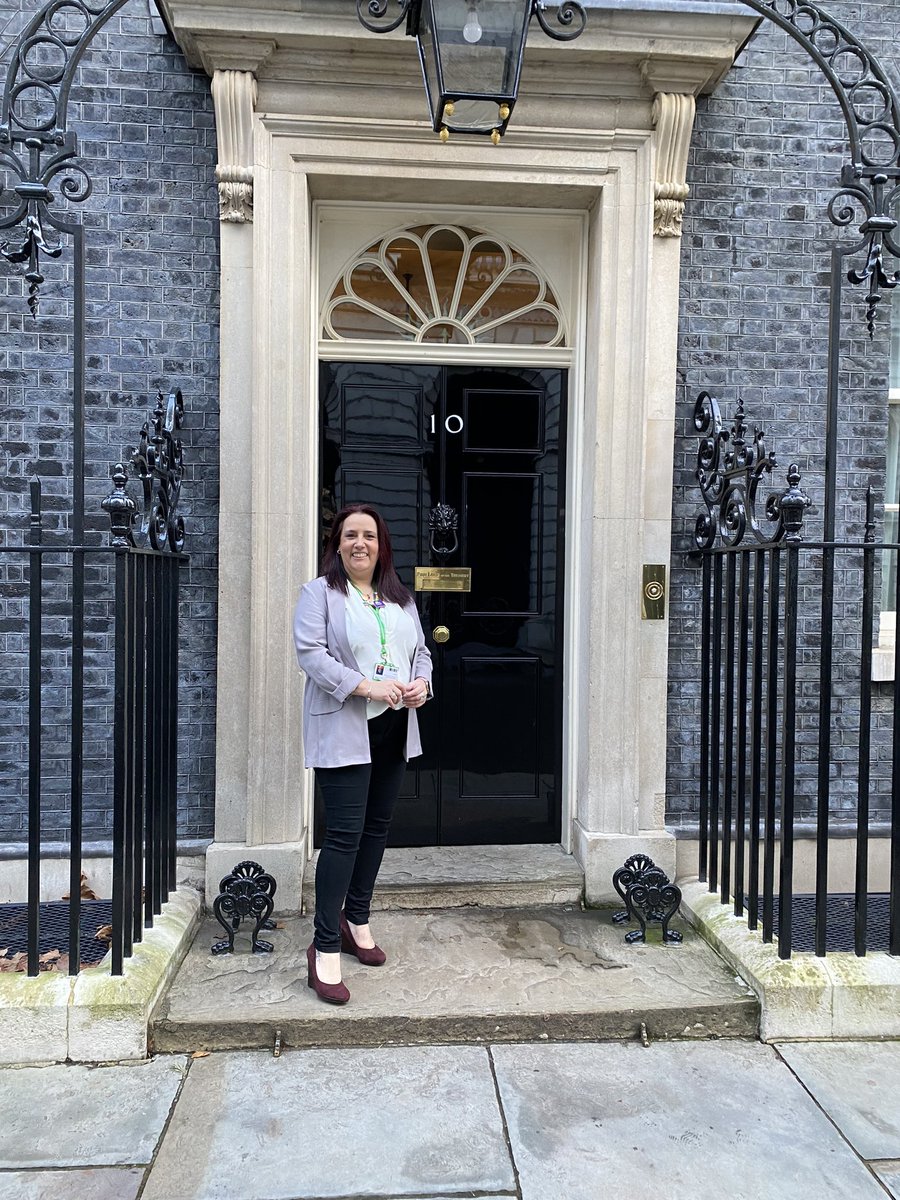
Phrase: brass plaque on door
[443,579]
[653,592]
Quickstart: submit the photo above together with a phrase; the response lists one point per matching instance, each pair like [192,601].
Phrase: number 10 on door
[453,423]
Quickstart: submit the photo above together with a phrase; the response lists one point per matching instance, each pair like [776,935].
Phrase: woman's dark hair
[385,579]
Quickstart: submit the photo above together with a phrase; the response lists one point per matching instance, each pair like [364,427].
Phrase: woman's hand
[415,694]
[389,691]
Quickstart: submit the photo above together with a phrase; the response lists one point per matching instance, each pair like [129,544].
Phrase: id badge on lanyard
[384,668]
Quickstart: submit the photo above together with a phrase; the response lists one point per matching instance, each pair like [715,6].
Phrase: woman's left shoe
[374,956]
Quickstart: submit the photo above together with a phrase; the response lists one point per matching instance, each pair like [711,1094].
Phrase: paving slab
[73,1116]
[102,1183]
[889,1174]
[856,1084]
[491,876]
[699,1120]
[458,975]
[416,1120]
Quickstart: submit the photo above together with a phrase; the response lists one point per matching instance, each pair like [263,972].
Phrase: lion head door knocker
[443,523]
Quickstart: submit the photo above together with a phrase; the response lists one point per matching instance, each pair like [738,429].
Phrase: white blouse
[365,642]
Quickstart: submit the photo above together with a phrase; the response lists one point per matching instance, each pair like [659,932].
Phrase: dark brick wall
[765,159]
[147,138]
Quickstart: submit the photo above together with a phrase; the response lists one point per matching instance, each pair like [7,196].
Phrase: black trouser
[359,802]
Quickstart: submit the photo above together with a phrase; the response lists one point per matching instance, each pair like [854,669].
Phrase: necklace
[371,601]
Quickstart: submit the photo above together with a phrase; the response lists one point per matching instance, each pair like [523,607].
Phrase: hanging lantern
[471,53]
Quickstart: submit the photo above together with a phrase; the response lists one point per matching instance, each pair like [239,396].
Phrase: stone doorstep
[432,877]
[93,1017]
[457,976]
[839,996]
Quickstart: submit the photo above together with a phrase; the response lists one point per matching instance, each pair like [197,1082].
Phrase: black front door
[488,444]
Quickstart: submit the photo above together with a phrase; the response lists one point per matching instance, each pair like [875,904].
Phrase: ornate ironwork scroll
[247,892]
[158,465]
[35,143]
[730,470]
[648,895]
[380,16]
[870,182]
[570,15]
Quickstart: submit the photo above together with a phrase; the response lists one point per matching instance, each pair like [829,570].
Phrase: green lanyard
[382,632]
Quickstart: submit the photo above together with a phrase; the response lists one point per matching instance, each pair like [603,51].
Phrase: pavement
[536,1120]
[476,974]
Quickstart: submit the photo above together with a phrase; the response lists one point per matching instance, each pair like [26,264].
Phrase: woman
[360,644]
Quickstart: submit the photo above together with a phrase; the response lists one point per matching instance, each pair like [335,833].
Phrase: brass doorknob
[441,634]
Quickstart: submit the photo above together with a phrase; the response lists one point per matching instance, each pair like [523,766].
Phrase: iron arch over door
[467,464]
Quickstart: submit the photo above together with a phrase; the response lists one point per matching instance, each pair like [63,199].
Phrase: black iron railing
[784,668]
[136,581]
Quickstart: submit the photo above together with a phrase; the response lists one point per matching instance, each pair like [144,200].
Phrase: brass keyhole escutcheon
[441,634]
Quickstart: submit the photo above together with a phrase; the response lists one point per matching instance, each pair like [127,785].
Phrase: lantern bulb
[472,30]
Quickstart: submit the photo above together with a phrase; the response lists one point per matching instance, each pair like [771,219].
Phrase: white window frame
[883,655]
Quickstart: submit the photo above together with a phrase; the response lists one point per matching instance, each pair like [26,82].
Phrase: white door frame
[522,228]
[621,436]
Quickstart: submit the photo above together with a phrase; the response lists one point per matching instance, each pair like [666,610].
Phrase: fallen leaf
[104,933]
[200,1054]
[52,960]
[279,924]
[87,892]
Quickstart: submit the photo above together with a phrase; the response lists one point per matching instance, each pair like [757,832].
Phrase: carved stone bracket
[234,95]
[673,119]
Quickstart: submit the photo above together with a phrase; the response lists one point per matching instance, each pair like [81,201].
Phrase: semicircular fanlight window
[443,284]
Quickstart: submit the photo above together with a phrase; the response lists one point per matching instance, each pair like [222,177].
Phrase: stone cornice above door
[667,45]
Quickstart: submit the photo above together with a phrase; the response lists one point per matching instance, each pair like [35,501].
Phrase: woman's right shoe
[331,993]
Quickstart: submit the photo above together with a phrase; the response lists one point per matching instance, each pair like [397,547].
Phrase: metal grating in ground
[54,928]
[840,922]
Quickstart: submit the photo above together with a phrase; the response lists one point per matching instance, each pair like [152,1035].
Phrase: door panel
[489,443]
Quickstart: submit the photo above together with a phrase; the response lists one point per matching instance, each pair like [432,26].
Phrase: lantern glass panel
[471,53]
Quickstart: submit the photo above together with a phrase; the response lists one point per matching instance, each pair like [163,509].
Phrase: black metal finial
[120,508]
[792,504]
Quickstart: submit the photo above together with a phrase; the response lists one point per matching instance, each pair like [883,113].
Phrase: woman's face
[358,546]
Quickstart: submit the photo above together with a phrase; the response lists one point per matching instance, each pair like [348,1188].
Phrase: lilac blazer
[335,728]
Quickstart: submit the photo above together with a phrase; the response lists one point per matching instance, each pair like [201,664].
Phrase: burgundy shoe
[374,956]
[331,993]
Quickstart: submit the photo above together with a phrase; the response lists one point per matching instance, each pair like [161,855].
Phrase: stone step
[458,975]
[487,876]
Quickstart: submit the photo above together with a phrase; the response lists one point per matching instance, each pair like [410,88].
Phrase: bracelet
[369,694]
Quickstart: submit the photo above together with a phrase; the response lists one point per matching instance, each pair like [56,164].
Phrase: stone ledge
[458,975]
[840,996]
[479,876]
[94,1017]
